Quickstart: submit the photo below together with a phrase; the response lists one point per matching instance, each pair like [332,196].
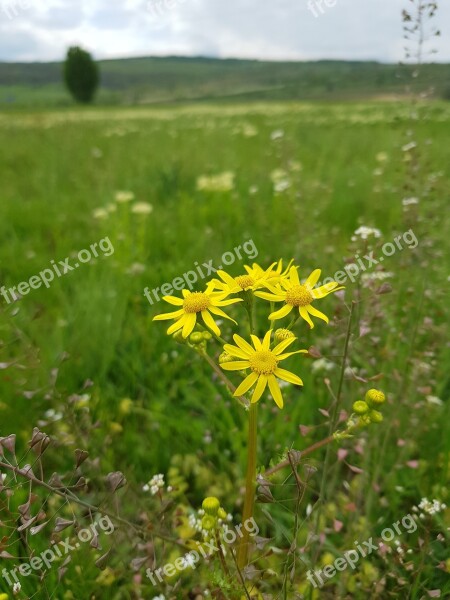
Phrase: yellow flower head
[299,295]
[275,273]
[194,304]
[253,279]
[263,363]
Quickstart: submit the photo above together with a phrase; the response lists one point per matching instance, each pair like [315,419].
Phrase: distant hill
[173,79]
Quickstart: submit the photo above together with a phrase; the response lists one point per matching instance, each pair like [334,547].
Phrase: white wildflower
[123,196]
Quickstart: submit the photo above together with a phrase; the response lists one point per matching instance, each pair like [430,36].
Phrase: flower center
[244,281]
[299,295]
[263,362]
[196,302]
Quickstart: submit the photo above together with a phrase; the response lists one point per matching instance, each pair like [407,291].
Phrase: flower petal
[283,345]
[288,354]
[293,276]
[189,324]
[326,289]
[316,313]
[185,293]
[313,278]
[171,315]
[275,391]
[248,382]
[237,365]
[176,326]
[220,313]
[305,315]
[266,340]
[173,300]
[227,302]
[288,376]
[243,344]
[227,279]
[233,351]
[209,322]
[259,389]
[270,297]
[279,314]
[256,342]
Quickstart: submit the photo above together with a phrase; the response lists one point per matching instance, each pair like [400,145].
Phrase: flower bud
[375,416]
[360,407]
[206,336]
[222,514]
[225,357]
[211,506]
[375,397]
[196,338]
[125,406]
[178,337]
[283,334]
[208,522]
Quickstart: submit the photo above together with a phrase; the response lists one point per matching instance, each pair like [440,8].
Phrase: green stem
[250,486]
[293,322]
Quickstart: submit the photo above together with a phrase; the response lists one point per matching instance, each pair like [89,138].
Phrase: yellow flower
[298,295]
[252,280]
[263,363]
[277,274]
[191,305]
[255,278]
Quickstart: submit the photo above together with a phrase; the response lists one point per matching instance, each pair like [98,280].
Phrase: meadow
[82,360]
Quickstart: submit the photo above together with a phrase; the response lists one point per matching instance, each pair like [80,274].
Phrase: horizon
[229,58]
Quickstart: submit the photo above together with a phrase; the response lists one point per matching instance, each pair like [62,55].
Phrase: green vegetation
[83,361]
[173,79]
[81,75]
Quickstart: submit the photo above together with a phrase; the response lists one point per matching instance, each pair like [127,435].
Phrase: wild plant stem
[335,415]
[250,486]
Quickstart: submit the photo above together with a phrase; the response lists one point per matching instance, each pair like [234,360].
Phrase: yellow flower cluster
[261,357]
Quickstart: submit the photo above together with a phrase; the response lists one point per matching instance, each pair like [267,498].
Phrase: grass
[87,343]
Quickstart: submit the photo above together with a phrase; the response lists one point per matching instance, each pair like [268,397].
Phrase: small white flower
[410,201]
[431,507]
[322,364]
[123,196]
[365,232]
[100,213]
[409,147]
[142,208]
[278,134]
[16,588]
[434,400]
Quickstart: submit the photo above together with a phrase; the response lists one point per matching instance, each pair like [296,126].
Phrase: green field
[152,80]
[83,361]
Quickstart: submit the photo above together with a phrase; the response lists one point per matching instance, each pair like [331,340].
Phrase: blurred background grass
[59,167]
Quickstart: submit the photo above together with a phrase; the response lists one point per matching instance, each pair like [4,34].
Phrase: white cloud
[285,29]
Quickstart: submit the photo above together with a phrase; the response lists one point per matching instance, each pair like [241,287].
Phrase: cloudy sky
[41,30]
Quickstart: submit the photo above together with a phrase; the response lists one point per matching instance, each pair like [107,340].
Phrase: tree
[81,75]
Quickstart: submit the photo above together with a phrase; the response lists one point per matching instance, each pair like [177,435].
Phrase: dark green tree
[81,75]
